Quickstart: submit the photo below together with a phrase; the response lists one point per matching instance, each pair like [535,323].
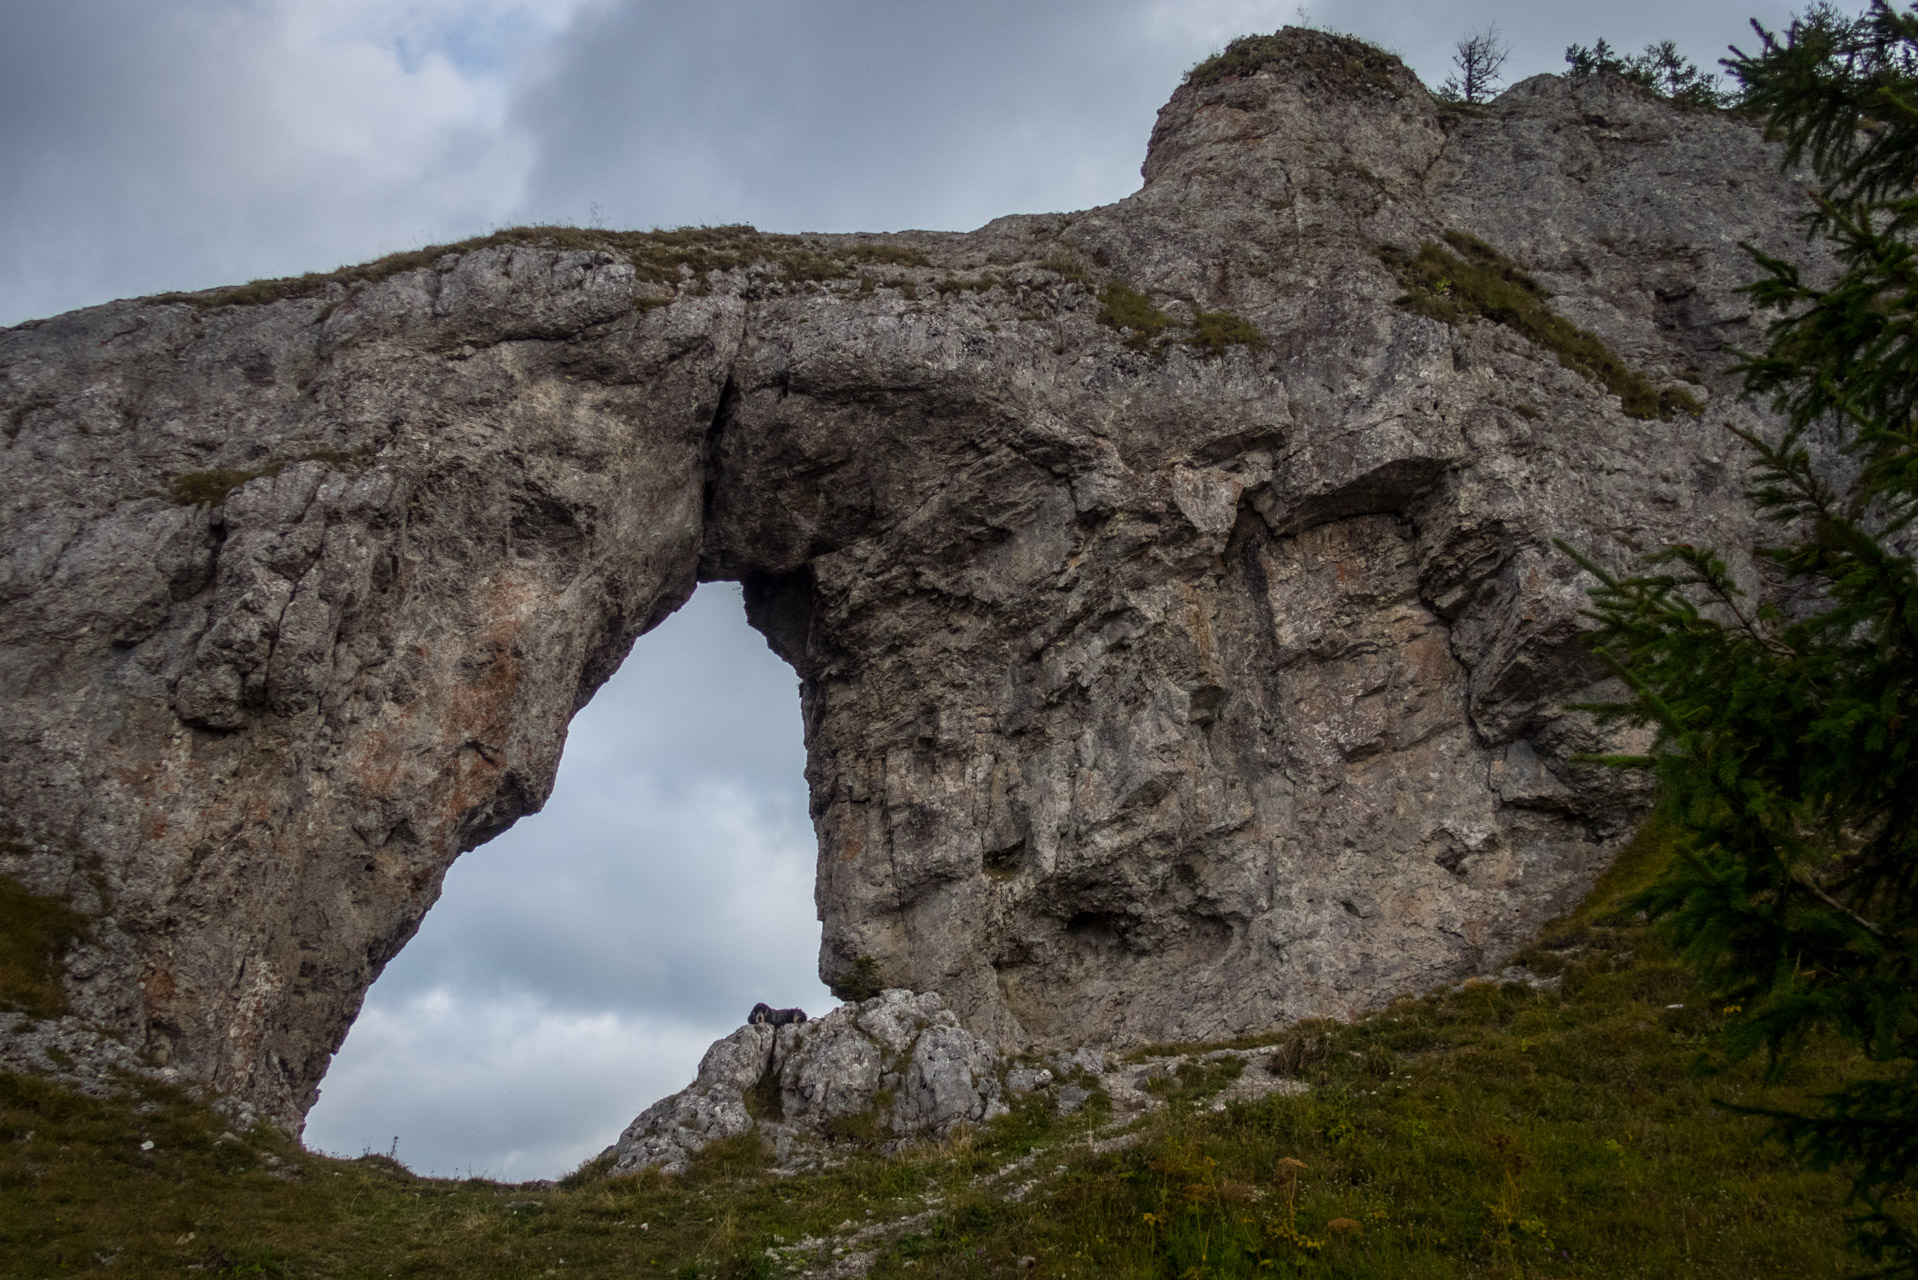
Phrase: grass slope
[1495,1131]
[1480,281]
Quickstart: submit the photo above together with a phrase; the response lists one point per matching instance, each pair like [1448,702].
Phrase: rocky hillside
[1537,1129]
[1173,586]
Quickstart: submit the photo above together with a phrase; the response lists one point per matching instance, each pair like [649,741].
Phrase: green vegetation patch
[1214,331]
[864,1129]
[985,282]
[1479,281]
[35,932]
[863,982]
[1496,1130]
[1069,268]
[193,488]
[1196,1080]
[1333,56]
[657,258]
[765,1100]
[1124,308]
[1128,310]
[81,1190]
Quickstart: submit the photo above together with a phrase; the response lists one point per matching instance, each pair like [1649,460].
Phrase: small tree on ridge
[1660,67]
[1478,59]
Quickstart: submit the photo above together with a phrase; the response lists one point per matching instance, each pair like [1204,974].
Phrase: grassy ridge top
[656,257]
[1324,52]
[1492,1131]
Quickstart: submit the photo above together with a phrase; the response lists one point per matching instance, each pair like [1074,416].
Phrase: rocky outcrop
[899,1069]
[1183,643]
[892,1069]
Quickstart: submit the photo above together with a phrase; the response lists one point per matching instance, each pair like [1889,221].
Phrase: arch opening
[576,967]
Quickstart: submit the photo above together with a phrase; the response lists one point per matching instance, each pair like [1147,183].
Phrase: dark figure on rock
[763,1012]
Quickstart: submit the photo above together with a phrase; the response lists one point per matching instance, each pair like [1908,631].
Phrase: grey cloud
[201,142]
[576,967]
[874,115]
[840,114]
[671,873]
[497,1087]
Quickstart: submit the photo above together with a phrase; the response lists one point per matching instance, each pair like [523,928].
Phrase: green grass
[985,282]
[862,982]
[1069,268]
[1479,281]
[209,488]
[656,257]
[1493,1131]
[77,1186]
[1124,308]
[1134,314]
[1214,331]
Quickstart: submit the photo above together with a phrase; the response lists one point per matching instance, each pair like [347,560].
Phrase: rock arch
[1156,687]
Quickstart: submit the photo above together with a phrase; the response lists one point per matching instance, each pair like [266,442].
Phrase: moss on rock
[35,932]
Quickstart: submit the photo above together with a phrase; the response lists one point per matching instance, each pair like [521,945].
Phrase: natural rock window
[575,968]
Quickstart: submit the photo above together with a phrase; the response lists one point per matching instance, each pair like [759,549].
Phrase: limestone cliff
[1182,640]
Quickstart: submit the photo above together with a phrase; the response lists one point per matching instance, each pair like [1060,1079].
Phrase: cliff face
[1152,692]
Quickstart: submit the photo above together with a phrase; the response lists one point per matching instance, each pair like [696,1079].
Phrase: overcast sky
[575,969]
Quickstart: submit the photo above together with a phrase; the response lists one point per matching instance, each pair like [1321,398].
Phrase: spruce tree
[1660,68]
[1787,727]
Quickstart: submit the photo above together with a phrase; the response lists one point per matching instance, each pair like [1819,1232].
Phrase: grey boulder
[898,1065]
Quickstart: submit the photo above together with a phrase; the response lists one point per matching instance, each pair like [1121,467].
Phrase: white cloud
[459,1084]
[575,968]
[202,142]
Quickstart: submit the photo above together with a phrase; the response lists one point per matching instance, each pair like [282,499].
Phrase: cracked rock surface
[899,1061]
[1151,693]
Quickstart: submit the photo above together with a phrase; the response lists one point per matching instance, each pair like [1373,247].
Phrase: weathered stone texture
[1148,696]
[900,1062]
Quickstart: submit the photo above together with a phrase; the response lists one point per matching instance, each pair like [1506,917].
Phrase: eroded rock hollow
[1183,643]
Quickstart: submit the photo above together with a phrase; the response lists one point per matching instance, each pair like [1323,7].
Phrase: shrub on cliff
[1786,750]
